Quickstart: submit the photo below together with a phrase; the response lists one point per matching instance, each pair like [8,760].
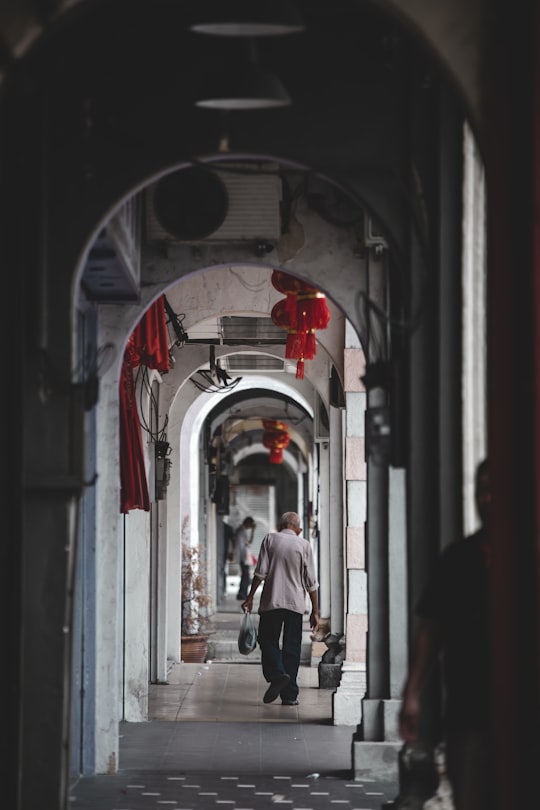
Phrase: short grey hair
[289,518]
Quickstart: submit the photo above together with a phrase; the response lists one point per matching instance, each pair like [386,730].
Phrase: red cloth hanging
[151,339]
[133,485]
[148,345]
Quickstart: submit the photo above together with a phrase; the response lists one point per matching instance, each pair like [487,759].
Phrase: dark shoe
[275,688]
[243,598]
[289,703]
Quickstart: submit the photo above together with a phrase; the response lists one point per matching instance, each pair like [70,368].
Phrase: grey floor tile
[212,743]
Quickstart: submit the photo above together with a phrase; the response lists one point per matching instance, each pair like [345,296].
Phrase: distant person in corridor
[287,570]
[454,620]
[243,538]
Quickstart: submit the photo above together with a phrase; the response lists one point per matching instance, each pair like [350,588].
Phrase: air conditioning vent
[239,363]
[236,330]
[241,329]
[242,205]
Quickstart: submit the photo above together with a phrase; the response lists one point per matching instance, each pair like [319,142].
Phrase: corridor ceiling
[120,87]
[356,76]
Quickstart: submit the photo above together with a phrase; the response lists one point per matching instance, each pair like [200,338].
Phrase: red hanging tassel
[295,345]
[310,349]
[312,311]
[276,455]
[300,369]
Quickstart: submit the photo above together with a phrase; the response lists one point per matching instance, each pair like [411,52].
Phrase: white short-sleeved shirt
[241,540]
[287,568]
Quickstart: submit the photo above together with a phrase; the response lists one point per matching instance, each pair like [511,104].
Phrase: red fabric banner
[150,338]
[148,345]
[133,485]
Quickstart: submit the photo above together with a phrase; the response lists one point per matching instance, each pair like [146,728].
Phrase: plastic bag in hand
[247,635]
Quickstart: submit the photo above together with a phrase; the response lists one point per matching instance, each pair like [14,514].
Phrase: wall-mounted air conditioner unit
[113,267]
[236,203]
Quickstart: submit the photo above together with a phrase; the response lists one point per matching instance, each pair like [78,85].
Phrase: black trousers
[245,581]
[277,660]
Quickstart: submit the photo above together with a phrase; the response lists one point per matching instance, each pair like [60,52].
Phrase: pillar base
[375,760]
[329,676]
[380,720]
[347,699]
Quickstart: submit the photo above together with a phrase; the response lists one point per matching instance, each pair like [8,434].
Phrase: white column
[135,618]
[109,530]
[336,522]
[474,325]
[324,532]
[347,700]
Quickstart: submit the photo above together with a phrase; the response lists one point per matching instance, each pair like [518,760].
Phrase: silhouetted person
[243,540]
[454,622]
[228,541]
[286,568]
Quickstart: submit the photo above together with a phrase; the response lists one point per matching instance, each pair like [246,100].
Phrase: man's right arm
[314,618]
[247,606]
[426,650]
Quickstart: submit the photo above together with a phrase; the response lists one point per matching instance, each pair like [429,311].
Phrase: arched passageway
[97,103]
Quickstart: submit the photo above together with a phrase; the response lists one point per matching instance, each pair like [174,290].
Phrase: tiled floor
[224,692]
[212,741]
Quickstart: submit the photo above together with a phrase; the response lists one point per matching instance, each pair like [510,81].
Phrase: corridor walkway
[211,742]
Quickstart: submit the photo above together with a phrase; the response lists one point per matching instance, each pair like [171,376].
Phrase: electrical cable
[142,381]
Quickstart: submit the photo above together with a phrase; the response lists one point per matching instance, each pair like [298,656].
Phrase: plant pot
[193,649]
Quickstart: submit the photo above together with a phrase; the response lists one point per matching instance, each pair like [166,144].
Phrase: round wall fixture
[191,203]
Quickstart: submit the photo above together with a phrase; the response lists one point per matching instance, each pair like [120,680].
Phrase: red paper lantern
[276,438]
[290,285]
[301,344]
[312,311]
[296,340]
[301,313]
[305,304]
[280,315]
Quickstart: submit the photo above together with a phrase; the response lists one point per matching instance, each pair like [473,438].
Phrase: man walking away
[286,568]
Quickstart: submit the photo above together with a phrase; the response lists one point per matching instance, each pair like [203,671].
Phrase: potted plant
[196,626]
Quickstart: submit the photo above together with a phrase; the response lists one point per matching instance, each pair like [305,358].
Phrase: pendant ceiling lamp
[246,18]
[249,89]
[241,83]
